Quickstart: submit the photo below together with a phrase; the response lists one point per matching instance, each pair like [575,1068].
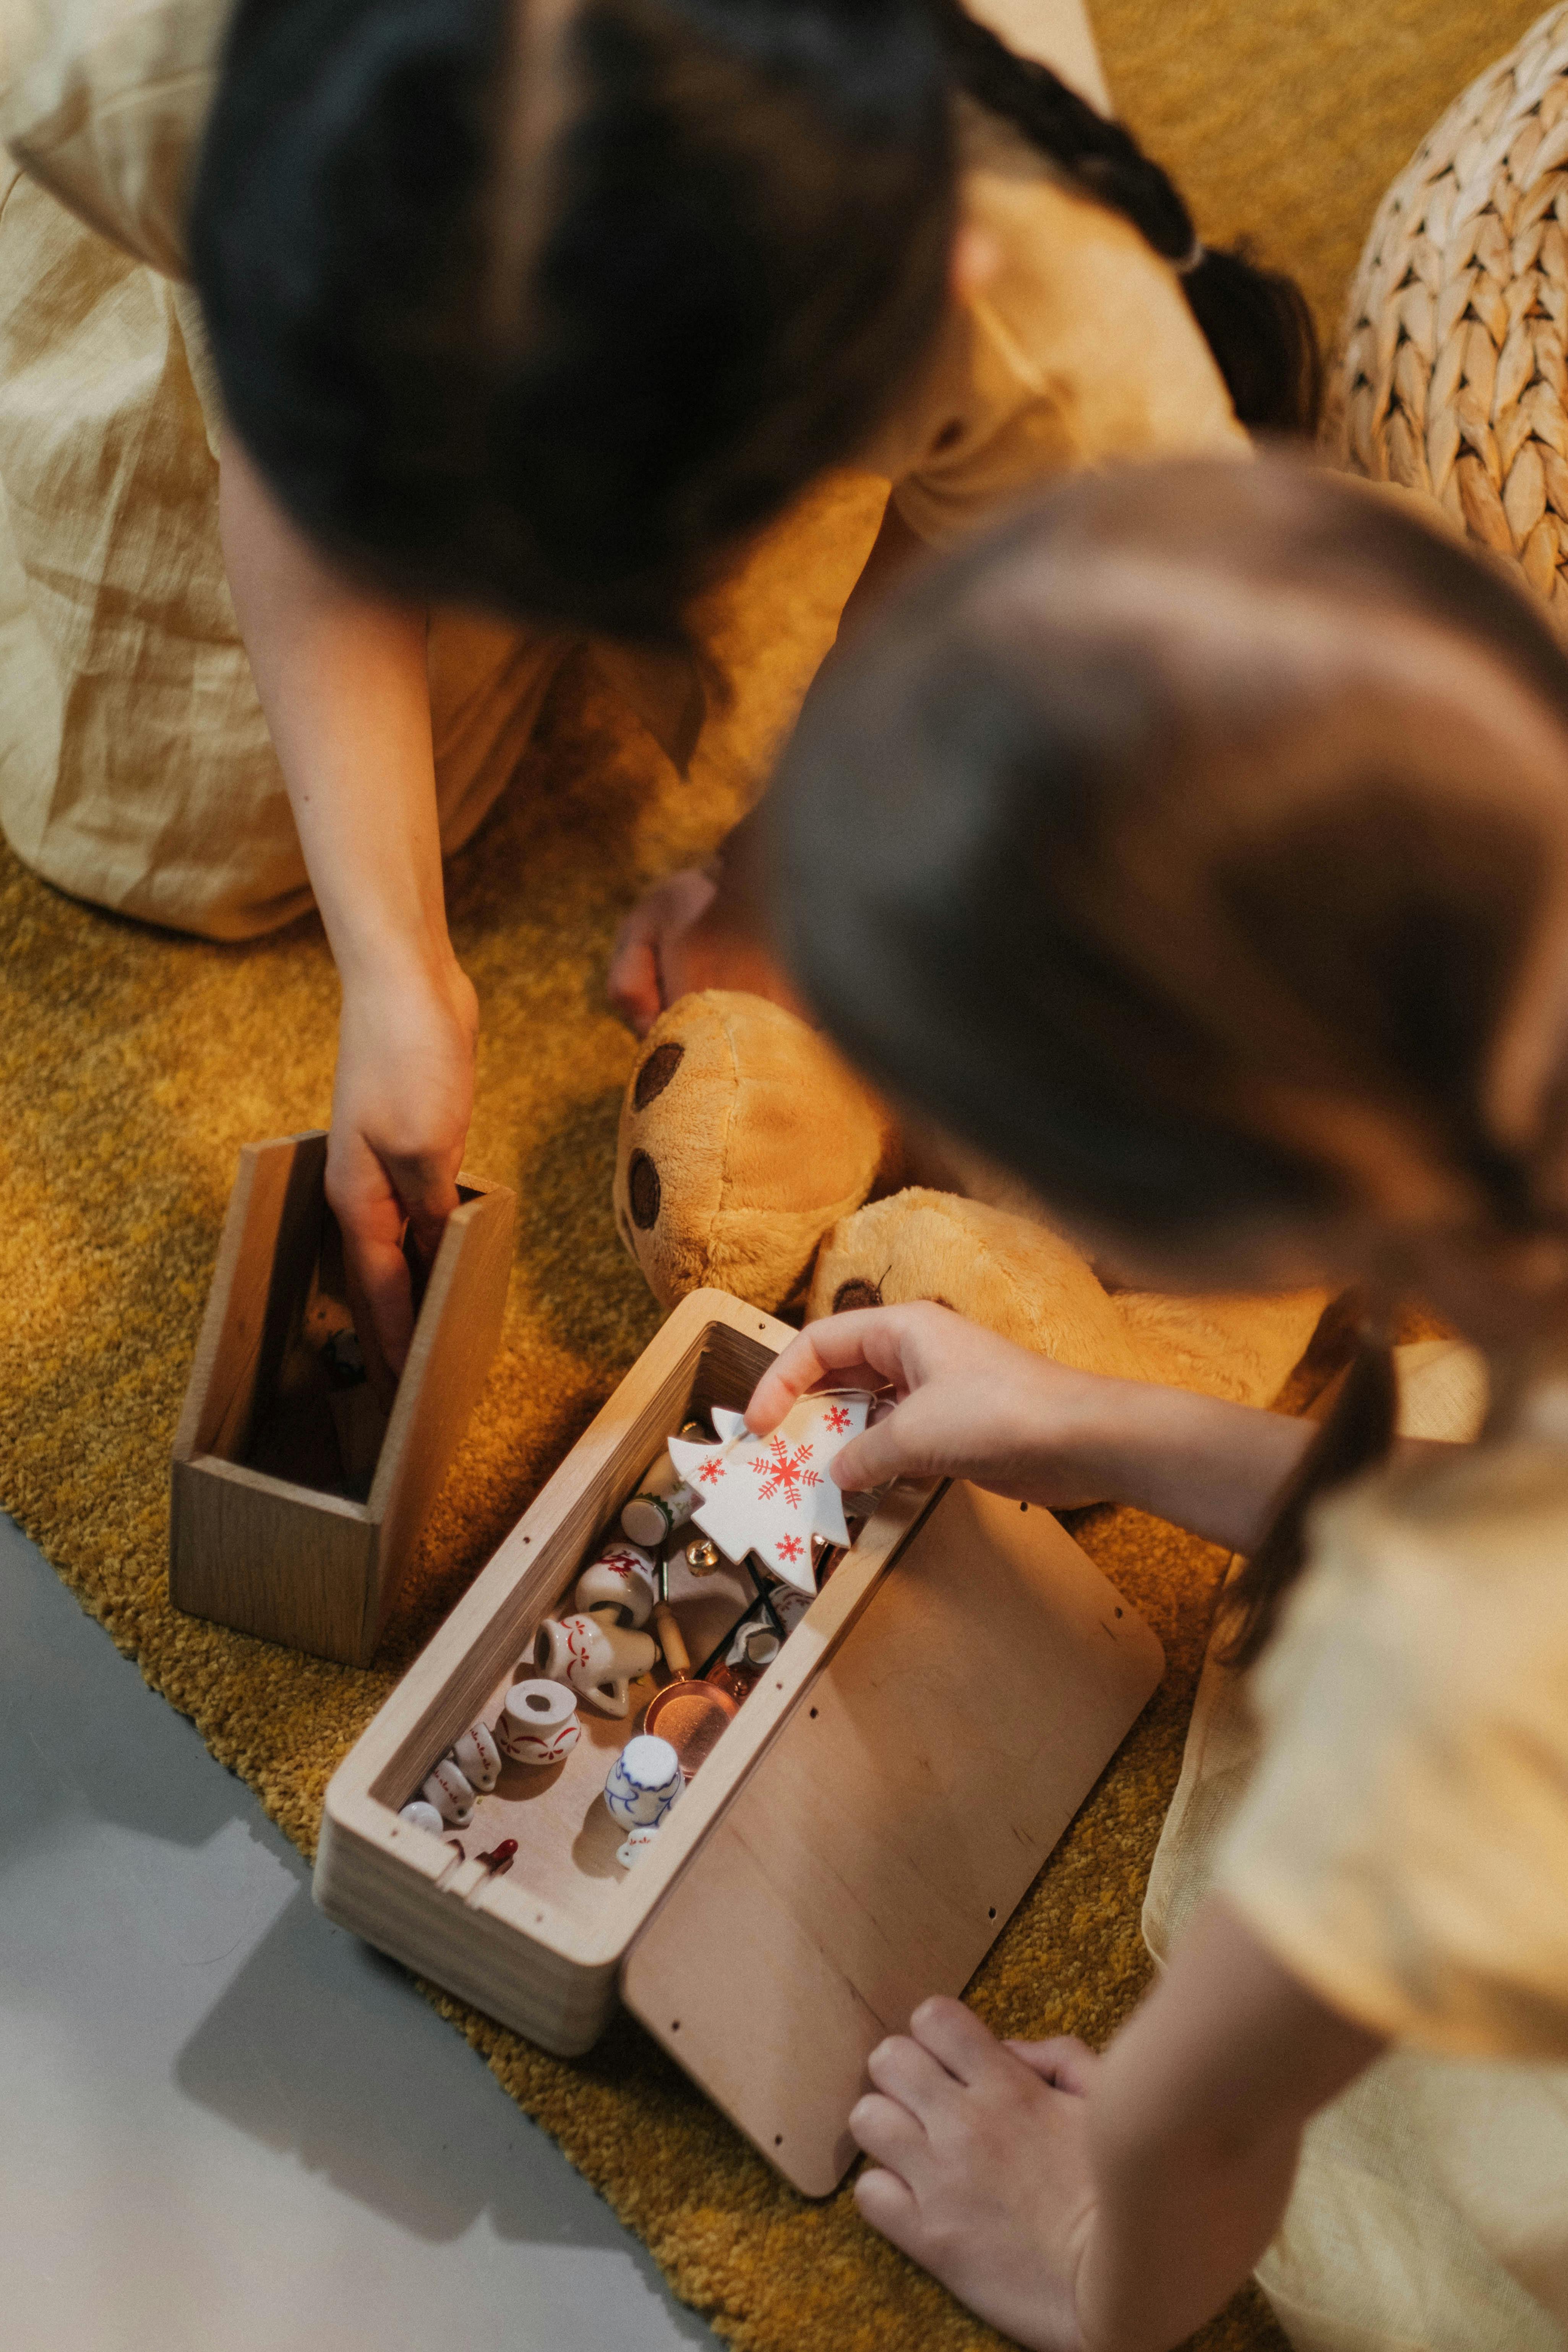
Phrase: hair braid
[1357,1435]
[1256,321]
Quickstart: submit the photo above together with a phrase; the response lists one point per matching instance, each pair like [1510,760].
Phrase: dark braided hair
[1255,320]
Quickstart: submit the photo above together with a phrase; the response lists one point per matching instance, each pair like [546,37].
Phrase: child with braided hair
[426,340]
[1197,848]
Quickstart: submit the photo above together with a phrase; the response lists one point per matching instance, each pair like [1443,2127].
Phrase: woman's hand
[969,1405]
[401,1104]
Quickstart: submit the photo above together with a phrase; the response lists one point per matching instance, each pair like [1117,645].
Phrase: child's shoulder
[1079,350]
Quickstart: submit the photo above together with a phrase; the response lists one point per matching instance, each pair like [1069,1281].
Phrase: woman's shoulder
[102,102]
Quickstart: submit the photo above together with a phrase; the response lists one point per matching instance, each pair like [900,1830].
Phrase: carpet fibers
[134,1065]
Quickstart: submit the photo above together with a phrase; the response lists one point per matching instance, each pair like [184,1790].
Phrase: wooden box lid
[871,1857]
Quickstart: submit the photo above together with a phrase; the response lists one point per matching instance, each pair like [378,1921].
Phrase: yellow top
[135,766]
[1403,1845]
[1385,1799]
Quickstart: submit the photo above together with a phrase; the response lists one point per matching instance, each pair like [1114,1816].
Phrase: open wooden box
[855,1841]
[266,1532]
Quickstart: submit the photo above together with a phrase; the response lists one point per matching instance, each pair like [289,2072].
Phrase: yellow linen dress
[1385,1802]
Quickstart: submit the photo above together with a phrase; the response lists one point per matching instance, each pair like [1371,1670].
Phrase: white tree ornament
[769,1496]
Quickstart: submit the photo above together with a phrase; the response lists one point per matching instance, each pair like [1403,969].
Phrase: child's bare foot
[986,2183]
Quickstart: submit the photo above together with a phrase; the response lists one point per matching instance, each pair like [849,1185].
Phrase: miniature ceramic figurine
[770,1497]
[620,1579]
[421,1816]
[449,1790]
[644,1781]
[478,1758]
[598,1659]
[661,1504]
[538,1726]
[633,1847]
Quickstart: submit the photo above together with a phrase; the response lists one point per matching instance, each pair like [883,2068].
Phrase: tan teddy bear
[751,1157]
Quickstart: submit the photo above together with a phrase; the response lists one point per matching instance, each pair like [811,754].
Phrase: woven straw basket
[1451,376]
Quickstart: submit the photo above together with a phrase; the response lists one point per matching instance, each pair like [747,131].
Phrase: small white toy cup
[449,1790]
[598,1659]
[644,1781]
[622,1579]
[538,1726]
[478,1758]
[634,1846]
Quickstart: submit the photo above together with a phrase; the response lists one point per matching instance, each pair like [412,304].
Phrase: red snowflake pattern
[709,1472]
[790,1547]
[784,1472]
[837,1419]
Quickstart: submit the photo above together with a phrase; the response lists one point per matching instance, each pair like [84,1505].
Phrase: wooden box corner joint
[270,1531]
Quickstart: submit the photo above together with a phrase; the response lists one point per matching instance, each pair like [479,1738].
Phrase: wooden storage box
[265,1530]
[863,1828]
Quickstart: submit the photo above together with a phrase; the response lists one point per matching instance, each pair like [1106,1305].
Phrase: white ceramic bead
[421,1816]
[598,1659]
[636,1845]
[538,1726]
[621,1579]
[645,1780]
[449,1790]
[478,1756]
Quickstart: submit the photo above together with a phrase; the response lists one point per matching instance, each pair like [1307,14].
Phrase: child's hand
[984,2172]
[648,947]
[968,1404]
[401,1105]
[683,936]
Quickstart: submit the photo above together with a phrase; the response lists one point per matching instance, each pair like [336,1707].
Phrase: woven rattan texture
[1452,378]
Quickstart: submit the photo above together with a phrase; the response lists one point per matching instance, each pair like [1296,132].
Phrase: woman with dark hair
[1197,848]
[542,311]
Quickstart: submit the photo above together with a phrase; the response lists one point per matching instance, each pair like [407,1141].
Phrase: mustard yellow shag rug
[133,1066]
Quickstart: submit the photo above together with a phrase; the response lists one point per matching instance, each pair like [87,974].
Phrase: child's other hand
[967,1404]
[401,1106]
[984,2177]
[648,947]
[683,936]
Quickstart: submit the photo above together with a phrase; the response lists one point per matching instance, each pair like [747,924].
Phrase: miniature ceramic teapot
[635,1845]
[645,1780]
[597,1658]
[622,1579]
[538,1726]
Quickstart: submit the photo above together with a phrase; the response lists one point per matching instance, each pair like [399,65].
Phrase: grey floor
[226,2125]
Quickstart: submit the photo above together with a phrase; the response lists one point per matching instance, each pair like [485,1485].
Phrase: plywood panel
[895,1822]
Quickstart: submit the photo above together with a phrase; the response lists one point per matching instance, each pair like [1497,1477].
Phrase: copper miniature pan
[692,1715]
